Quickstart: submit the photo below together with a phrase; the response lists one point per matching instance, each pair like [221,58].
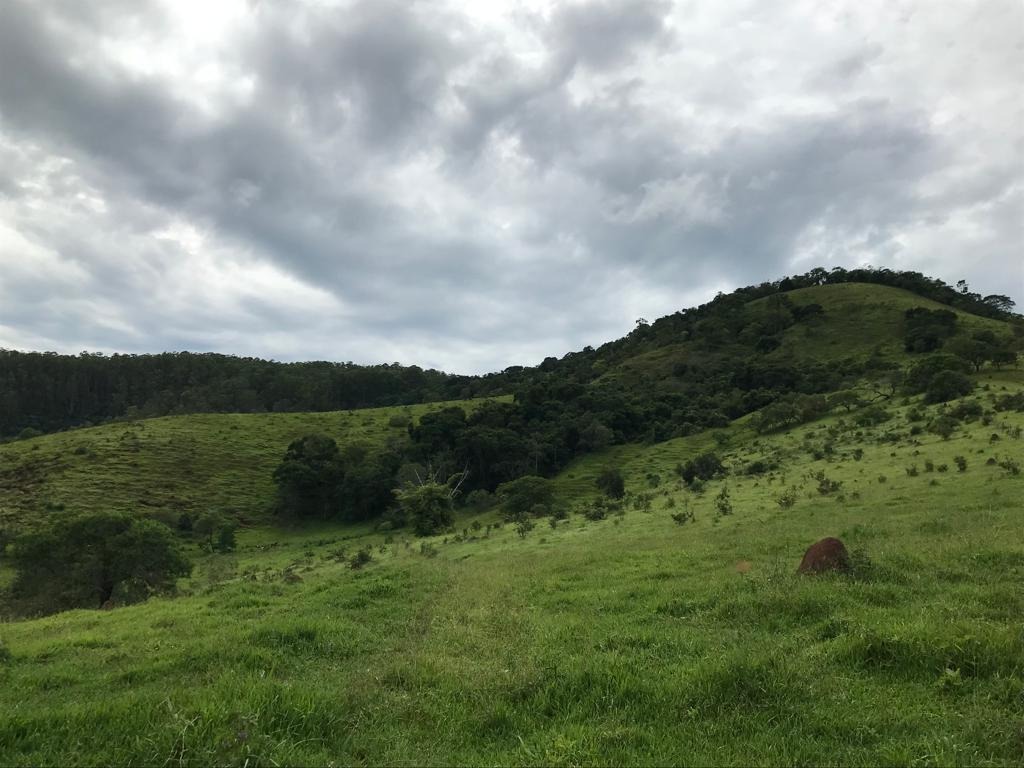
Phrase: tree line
[43,392]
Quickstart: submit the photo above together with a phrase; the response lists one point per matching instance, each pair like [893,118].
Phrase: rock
[826,555]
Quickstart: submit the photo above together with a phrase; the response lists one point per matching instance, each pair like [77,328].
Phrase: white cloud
[473,185]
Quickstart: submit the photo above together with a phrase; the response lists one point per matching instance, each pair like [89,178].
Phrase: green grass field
[631,640]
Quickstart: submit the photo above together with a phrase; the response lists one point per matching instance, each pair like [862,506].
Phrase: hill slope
[177,464]
[629,640]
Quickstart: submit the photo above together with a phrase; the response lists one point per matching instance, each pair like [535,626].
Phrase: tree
[1000,302]
[309,476]
[848,400]
[83,562]
[525,496]
[921,374]
[611,483]
[428,507]
[948,385]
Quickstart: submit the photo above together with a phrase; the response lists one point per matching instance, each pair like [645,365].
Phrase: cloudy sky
[470,185]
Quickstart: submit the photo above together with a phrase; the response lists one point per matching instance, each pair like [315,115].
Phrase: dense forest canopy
[47,391]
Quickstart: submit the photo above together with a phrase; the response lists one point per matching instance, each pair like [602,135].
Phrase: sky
[473,185]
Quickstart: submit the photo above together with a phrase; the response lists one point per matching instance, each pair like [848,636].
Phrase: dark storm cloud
[384,180]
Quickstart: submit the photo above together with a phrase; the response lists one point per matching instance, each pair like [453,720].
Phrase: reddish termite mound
[825,555]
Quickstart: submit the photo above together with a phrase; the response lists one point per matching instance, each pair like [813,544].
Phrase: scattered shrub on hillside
[947,385]
[611,483]
[943,426]
[682,518]
[427,549]
[642,502]
[428,507]
[524,526]
[920,375]
[1014,402]
[400,421]
[225,538]
[967,410]
[760,466]
[912,470]
[525,496]
[787,499]
[871,416]
[961,463]
[723,502]
[360,559]
[882,479]
[929,465]
[1011,466]
[85,561]
[703,467]
[826,485]
[943,468]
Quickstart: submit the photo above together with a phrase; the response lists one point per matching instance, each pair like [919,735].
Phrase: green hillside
[626,640]
[859,320]
[176,464]
[670,628]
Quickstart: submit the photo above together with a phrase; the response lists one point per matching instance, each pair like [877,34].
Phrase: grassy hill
[628,640]
[177,464]
[859,320]
[631,639]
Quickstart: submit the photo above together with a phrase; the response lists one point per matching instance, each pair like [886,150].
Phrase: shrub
[912,470]
[961,463]
[524,526]
[871,416]
[723,502]
[611,483]
[428,507]
[225,539]
[400,420]
[967,410]
[682,518]
[787,499]
[826,485]
[947,385]
[943,426]
[360,559]
[524,496]
[1011,466]
[81,562]
[703,467]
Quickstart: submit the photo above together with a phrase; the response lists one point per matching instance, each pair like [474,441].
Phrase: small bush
[611,483]
[682,518]
[361,558]
[912,470]
[787,499]
[524,526]
[827,486]
[961,463]
[723,502]
[1011,466]
[943,426]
